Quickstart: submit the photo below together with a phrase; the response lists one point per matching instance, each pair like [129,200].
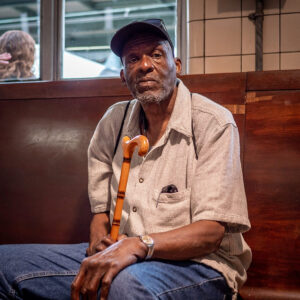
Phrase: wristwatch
[148,241]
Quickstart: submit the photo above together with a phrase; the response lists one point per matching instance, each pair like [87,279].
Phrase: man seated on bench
[185,208]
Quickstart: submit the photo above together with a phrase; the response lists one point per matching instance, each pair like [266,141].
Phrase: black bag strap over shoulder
[121,128]
[193,133]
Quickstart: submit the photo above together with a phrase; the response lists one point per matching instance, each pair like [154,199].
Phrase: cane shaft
[120,199]
[128,149]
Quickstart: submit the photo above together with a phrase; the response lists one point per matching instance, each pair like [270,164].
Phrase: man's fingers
[75,291]
[106,282]
[92,279]
[84,295]
[100,248]
[93,287]
[105,243]
[77,284]
[91,250]
[107,240]
[121,237]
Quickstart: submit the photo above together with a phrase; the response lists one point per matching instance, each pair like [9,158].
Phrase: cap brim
[125,33]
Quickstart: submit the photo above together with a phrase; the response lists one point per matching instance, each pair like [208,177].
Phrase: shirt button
[134,209]
[141,180]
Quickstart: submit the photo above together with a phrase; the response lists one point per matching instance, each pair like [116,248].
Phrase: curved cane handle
[128,149]
[129,145]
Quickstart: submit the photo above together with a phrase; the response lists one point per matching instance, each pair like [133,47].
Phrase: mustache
[144,79]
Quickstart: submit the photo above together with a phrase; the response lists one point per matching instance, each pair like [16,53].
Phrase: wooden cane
[128,149]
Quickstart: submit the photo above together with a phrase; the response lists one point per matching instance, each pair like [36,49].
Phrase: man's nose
[146,64]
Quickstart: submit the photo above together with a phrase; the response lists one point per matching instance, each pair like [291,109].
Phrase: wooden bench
[45,128]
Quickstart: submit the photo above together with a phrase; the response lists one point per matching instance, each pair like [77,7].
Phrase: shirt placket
[140,190]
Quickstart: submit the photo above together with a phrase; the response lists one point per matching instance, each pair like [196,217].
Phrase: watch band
[149,242]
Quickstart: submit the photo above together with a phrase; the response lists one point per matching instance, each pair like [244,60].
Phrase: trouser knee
[127,287]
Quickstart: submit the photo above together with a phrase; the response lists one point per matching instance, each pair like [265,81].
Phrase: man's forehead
[147,40]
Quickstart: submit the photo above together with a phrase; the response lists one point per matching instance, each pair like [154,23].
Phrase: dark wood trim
[273,80]
[232,85]
[83,88]
[256,293]
[210,83]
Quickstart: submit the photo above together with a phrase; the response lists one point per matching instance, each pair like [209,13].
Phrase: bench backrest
[45,128]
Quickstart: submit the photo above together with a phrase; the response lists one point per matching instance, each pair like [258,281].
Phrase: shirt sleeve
[100,156]
[218,189]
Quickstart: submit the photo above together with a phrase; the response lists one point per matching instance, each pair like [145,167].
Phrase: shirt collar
[181,117]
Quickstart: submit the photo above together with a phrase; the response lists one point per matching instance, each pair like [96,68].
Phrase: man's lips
[146,84]
[146,80]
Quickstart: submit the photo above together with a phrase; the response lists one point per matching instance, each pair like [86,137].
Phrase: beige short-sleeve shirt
[210,184]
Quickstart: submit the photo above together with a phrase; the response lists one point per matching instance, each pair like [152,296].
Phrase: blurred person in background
[20,47]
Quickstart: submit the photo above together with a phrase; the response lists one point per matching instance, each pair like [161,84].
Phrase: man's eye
[133,60]
[156,55]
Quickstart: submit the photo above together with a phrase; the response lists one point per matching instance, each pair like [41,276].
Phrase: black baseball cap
[150,26]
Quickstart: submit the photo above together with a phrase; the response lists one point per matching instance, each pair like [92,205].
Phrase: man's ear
[122,76]
[177,61]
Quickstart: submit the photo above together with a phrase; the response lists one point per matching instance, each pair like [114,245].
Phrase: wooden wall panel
[43,168]
[272,182]
[226,88]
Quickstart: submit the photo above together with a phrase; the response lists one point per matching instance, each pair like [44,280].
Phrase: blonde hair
[21,46]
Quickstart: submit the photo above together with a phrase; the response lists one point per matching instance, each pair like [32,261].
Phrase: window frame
[51,39]
[52,34]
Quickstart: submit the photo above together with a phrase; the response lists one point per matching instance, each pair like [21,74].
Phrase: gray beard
[150,98]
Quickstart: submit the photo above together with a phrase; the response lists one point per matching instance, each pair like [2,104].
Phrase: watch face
[147,239]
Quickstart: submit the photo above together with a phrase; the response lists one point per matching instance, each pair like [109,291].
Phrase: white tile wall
[223,64]
[196,65]
[248,63]
[248,7]
[196,10]
[223,37]
[290,61]
[288,6]
[271,34]
[271,7]
[222,9]
[196,39]
[271,62]
[248,36]
[290,32]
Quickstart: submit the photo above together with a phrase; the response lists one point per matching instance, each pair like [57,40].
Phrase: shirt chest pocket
[171,210]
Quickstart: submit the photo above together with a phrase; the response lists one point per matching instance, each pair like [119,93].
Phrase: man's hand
[100,245]
[103,266]
[4,58]
[99,228]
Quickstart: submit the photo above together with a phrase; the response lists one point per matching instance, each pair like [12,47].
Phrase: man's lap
[39,268]
[47,271]
[170,280]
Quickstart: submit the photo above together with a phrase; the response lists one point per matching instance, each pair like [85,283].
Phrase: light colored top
[209,188]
